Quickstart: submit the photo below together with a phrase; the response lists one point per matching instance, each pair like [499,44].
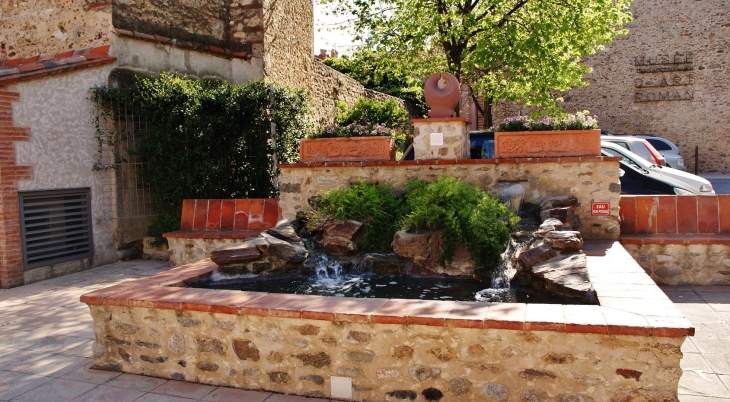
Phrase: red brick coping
[23,69]
[631,304]
[453,162]
[226,219]
[673,219]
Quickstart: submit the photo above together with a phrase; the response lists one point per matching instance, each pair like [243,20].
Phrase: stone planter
[540,144]
[343,149]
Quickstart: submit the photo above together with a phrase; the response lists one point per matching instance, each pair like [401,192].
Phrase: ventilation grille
[55,226]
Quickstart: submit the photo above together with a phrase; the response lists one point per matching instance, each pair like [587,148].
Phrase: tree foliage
[376,71]
[517,50]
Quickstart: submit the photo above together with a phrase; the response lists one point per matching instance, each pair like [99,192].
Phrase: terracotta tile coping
[693,238]
[211,234]
[630,306]
[441,120]
[215,50]
[571,159]
[23,69]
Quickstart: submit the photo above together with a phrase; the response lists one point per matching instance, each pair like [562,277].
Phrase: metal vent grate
[55,226]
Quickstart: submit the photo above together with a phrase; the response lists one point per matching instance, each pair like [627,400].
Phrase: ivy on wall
[209,139]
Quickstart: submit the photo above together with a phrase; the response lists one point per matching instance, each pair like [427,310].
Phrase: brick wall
[670,214]
[11,257]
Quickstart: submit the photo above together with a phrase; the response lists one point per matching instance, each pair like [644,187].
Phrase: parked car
[482,146]
[667,149]
[639,146]
[683,183]
[637,181]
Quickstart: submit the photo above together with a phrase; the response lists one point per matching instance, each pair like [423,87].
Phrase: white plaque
[437,139]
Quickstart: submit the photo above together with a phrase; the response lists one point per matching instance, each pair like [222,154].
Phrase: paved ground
[720,182]
[46,337]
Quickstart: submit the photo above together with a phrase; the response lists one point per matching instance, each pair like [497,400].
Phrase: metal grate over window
[55,226]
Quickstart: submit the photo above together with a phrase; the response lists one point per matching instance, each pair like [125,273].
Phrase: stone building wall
[684,264]
[289,42]
[667,77]
[386,362]
[589,181]
[29,28]
[329,86]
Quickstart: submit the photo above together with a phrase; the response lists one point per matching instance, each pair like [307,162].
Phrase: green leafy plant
[369,111]
[367,117]
[577,121]
[464,213]
[209,139]
[378,206]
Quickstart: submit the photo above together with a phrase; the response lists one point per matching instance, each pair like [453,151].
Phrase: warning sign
[600,209]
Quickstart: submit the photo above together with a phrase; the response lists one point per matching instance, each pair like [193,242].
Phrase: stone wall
[684,264]
[667,77]
[386,362]
[237,26]
[61,150]
[289,42]
[186,250]
[329,86]
[30,28]
[589,179]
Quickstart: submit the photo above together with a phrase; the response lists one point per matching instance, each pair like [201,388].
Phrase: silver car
[684,183]
[667,149]
[638,146]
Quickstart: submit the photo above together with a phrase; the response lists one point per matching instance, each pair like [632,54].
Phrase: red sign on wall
[600,209]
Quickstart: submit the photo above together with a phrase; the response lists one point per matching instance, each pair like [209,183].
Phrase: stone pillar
[441,138]
[11,254]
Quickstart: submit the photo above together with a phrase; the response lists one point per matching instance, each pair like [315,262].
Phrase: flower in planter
[354,130]
[577,121]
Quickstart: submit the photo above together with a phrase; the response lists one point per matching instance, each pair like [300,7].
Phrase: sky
[326,34]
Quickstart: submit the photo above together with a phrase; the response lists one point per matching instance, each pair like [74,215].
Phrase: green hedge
[209,139]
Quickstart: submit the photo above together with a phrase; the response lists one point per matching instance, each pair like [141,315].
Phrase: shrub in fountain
[452,227]
[370,211]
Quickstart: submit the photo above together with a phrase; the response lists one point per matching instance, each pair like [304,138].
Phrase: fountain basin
[628,347]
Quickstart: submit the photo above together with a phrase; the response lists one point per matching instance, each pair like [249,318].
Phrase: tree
[516,50]
[376,71]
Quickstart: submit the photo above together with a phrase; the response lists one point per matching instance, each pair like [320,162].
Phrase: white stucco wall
[153,58]
[62,147]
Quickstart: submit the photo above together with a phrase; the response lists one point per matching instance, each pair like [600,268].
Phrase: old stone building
[44,97]
[667,77]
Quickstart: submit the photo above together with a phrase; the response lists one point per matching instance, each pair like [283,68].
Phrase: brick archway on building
[11,254]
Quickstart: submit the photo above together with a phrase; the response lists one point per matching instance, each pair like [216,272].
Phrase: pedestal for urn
[441,138]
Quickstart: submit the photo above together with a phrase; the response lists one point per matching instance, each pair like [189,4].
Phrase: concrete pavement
[46,338]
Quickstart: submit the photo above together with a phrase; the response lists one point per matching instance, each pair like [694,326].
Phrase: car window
[624,159]
[622,144]
[659,145]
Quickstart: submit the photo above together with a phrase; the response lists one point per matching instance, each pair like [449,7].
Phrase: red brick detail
[666,214]
[724,207]
[687,219]
[256,214]
[645,215]
[627,212]
[708,217]
[11,257]
[240,220]
[223,219]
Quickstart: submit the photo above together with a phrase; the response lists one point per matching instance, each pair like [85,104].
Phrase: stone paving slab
[46,338]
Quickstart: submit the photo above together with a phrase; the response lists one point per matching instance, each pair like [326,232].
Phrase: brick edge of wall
[11,255]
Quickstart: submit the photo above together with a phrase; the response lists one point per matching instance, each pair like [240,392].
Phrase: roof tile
[8,71]
[45,64]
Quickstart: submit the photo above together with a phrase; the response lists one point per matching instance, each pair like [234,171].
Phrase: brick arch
[11,256]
